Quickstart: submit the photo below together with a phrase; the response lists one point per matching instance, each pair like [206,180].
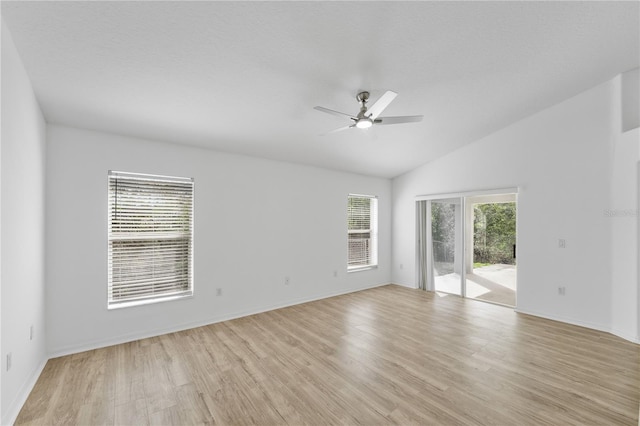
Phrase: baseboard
[616,332]
[97,344]
[567,320]
[11,413]
[625,335]
[405,285]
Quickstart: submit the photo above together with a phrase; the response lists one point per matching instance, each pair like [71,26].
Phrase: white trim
[579,323]
[362,195]
[149,177]
[498,191]
[593,326]
[464,248]
[11,412]
[351,269]
[624,335]
[149,301]
[411,286]
[97,344]
[493,198]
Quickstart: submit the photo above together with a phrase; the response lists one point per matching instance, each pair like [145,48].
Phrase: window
[150,237]
[362,231]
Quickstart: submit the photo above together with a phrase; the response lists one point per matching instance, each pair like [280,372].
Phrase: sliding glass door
[491,248]
[446,245]
[466,246]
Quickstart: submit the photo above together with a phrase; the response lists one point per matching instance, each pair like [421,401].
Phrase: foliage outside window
[362,213]
[494,233]
[150,238]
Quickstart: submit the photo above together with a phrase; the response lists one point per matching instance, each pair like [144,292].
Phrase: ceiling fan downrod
[363,121]
[362,98]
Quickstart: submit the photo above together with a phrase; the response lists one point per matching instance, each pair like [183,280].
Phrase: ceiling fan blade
[338,130]
[399,120]
[332,112]
[380,105]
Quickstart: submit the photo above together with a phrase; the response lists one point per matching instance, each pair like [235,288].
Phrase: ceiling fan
[368,117]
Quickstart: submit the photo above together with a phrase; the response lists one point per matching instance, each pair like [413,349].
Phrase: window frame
[154,239]
[372,231]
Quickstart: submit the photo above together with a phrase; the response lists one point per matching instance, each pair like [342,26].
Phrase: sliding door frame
[465,194]
[430,284]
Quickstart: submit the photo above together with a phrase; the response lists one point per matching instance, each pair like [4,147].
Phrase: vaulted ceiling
[243,77]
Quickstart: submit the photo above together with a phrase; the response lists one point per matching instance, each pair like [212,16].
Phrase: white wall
[22,239]
[630,102]
[623,214]
[623,211]
[560,159]
[256,221]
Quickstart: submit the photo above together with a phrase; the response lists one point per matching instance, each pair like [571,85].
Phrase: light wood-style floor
[380,356]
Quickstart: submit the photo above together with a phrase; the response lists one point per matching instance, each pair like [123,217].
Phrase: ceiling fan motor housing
[362,97]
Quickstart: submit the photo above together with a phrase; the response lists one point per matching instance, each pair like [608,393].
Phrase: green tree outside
[494,233]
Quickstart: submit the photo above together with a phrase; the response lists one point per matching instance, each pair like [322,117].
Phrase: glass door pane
[446,245]
[491,253]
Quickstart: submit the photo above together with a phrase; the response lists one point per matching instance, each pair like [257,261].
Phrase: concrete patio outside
[492,283]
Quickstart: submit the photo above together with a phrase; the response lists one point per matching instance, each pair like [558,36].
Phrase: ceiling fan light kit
[364,123]
[367,117]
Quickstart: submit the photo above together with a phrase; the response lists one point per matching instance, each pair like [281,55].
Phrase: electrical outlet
[335,274]
[401,266]
[562,243]
[31,333]
[9,361]
[287,280]
[218,292]
[561,290]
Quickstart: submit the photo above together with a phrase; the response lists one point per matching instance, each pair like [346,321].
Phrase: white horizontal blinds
[362,213]
[150,237]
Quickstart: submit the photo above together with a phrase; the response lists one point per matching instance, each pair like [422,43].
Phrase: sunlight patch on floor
[494,283]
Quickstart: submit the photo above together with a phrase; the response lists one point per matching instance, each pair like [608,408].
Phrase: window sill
[148,301]
[361,268]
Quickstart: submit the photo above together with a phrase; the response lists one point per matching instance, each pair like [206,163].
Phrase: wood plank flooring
[388,355]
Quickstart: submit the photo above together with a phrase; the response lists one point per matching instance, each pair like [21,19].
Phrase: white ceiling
[243,77]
